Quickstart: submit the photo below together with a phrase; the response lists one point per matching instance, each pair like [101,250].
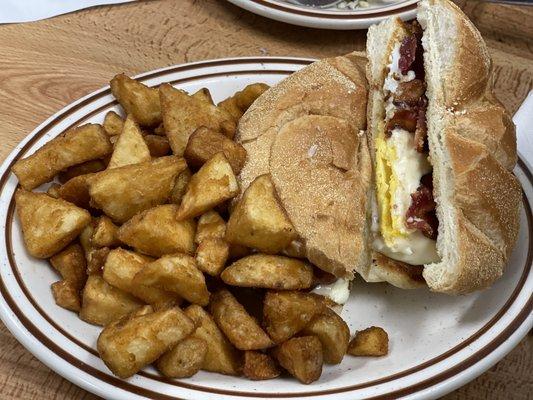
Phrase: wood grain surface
[50,63]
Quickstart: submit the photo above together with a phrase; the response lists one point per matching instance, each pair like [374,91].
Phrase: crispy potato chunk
[131,343]
[156,232]
[48,224]
[75,146]
[180,186]
[332,332]
[183,114]
[66,296]
[184,360]
[210,226]
[259,366]
[120,269]
[113,123]
[205,95]
[130,147]
[287,313]
[88,167]
[270,272]
[53,190]
[301,357]
[158,145]
[211,256]
[103,303]
[123,192]
[212,185]
[258,220]
[105,233]
[240,328]
[94,256]
[71,265]
[137,99]
[178,274]
[204,143]
[76,191]
[372,342]
[237,104]
[221,356]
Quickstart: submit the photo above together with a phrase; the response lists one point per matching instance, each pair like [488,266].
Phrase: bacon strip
[404,119]
[421,213]
[407,53]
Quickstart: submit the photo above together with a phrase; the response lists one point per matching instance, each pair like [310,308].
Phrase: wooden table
[48,64]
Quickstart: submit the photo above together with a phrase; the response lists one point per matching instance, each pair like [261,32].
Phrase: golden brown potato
[183,114]
[135,341]
[270,272]
[240,328]
[221,356]
[103,303]
[156,232]
[178,274]
[211,256]
[287,313]
[105,233]
[332,332]
[212,185]
[158,145]
[96,259]
[301,357]
[71,265]
[210,226]
[204,143]
[88,167]
[84,143]
[205,95]
[180,186]
[137,99]
[76,191]
[53,190]
[183,360]
[258,221]
[113,123]
[123,192]
[120,269]
[237,104]
[370,342]
[130,147]
[48,224]
[66,296]
[259,366]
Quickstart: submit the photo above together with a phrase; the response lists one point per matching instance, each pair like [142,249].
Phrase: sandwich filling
[406,223]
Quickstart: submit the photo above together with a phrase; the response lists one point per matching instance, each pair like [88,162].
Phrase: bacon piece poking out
[421,132]
[409,93]
[421,213]
[407,53]
[403,119]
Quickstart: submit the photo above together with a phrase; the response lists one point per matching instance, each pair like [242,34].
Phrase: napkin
[523,120]
[33,10]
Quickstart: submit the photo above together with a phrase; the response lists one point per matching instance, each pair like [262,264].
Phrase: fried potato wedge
[211,256]
[258,221]
[332,332]
[259,366]
[183,360]
[123,192]
[103,303]
[76,191]
[301,357]
[130,147]
[178,274]
[287,313]
[270,272]
[95,256]
[221,356]
[212,185]
[237,104]
[370,342]
[48,224]
[113,123]
[180,186]
[204,143]
[135,341]
[137,99]
[240,328]
[210,226]
[104,233]
[88,167]
[183,114]
[120,269]
[66,296]
[53,190]
[84,143]
[205,95]
[156,232]
[158,145]
[71,265]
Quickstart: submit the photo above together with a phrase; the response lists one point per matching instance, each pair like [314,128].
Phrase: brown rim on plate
[145,392]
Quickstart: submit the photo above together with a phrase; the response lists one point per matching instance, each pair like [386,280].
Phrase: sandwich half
[445,204]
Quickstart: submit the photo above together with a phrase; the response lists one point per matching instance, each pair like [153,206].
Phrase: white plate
[437,342]
[360,18]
